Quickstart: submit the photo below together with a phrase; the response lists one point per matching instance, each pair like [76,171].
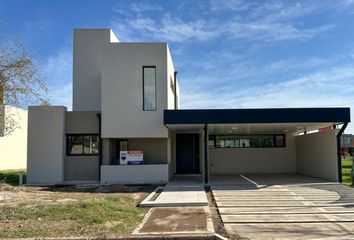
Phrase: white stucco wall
[316,155]
[122,90]
[134,174]
[87,63]
[46,145]
[13,147]
[253,160]
[170,75]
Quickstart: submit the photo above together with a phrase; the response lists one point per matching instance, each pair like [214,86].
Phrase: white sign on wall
[131,157]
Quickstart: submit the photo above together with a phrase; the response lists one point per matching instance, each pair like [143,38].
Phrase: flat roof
[262,115]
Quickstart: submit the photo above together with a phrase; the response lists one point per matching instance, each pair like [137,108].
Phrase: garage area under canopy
[283,140]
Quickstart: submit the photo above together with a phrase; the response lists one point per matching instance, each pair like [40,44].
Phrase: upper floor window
[149,91]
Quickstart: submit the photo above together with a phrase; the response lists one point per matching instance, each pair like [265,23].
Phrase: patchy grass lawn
[103,211]
[10,176]
[346,172]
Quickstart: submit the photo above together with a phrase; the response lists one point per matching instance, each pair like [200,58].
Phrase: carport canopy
[305,119]
[258,121]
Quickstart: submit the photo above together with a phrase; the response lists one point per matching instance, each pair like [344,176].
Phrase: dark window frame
[275,142]
[81,135]
[118,142]
[144,89]
[248,136]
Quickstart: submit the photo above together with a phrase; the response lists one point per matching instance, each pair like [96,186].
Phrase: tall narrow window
[149,92]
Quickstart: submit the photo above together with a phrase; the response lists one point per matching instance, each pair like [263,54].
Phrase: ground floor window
[78,144]
[121,145]
[247,141]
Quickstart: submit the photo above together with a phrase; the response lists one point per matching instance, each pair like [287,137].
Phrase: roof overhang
[275,120]
[249,116]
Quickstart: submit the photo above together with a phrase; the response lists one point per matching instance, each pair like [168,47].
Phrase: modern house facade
[13,145]
[126,126]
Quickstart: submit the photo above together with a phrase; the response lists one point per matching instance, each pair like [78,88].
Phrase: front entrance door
[187,154]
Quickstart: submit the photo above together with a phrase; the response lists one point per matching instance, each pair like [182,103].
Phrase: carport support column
[339,151]
[100,153]
[206,154]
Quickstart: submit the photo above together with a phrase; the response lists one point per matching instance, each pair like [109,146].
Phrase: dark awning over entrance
[271,115]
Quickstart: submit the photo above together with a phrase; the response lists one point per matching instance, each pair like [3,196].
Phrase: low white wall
[316,155]
[134,174]
[46,145]
[253,160]
[13,148]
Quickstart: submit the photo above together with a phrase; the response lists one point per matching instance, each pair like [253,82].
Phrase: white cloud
[327,88]
[323,88]
[246,70]
[135,8]
[272,32]
[175,29]
[281,11]
[271,10]
[287,64]
[265,22]
[347,2]
[61,95]
[233,5]
[57,67]
[144,7]
[57,73]
[172,29]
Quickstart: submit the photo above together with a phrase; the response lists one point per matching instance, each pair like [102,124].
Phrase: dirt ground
[27,195]
[25,223]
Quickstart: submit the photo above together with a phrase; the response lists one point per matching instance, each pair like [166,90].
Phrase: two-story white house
[126,107]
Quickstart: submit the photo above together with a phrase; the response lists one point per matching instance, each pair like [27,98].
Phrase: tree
[20,82]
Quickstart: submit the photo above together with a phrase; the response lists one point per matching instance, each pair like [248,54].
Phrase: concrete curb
[151,237]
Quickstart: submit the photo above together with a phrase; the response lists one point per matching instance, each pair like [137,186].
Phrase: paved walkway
[178,209]
[286,207]
[178,194]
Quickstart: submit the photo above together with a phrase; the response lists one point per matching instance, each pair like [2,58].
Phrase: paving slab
[177,194]
[294,231]
[252,203]
[284,218]
[278,198]
[283,210]
[286,207]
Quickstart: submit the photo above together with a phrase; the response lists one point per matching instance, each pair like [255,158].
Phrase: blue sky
[229,54]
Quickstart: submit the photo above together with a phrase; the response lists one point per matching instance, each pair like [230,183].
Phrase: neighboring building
[347,144]
[13,147]
[126,98]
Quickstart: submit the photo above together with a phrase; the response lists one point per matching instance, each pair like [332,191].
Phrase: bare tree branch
[20,82]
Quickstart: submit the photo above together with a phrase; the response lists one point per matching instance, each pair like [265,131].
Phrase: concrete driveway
[284,207]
